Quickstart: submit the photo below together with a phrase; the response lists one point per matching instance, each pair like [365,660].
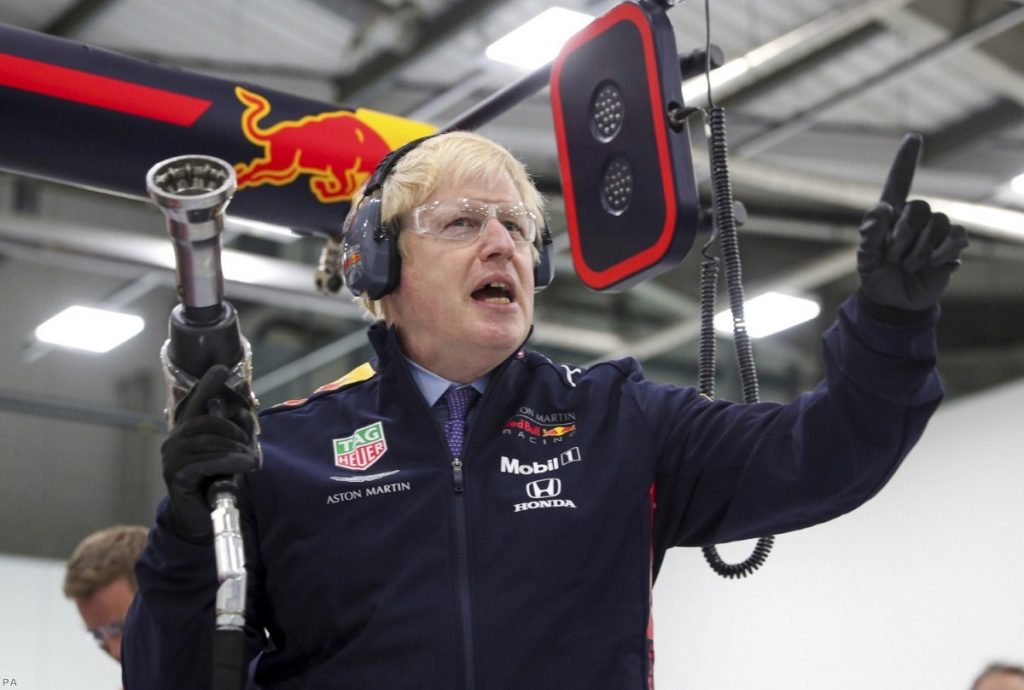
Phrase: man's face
[107,606]
[462,306]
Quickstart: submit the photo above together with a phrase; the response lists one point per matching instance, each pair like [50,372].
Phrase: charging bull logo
[336,149]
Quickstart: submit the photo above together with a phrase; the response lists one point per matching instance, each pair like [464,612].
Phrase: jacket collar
[388,347]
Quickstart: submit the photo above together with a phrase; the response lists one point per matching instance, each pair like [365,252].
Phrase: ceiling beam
[284,284]
[807,118]
[956,137]
[779,54]
[982,219]
[75,16]
[985,69]
[83,412]
[427,33]
[784,73]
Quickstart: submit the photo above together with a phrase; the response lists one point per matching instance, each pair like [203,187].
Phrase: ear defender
[370,262]
[369,252]
[544,270]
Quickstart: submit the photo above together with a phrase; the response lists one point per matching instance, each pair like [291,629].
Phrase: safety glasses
[465,219]
[102,633]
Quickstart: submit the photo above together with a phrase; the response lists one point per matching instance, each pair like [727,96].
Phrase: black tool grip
[229,671]
[196,345]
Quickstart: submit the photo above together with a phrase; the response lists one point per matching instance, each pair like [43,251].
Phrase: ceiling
[828,91]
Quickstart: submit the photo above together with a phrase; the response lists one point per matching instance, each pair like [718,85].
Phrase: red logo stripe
[102,92]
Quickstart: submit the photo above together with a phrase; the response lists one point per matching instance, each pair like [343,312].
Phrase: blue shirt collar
[433,386]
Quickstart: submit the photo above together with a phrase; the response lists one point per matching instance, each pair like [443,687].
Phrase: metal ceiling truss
[987,122]
[426,33]
[807,118]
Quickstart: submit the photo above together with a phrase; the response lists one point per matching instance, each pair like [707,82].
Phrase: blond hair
[103,557]
[447,159]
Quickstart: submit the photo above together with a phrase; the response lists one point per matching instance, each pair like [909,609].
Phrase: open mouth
[495,292]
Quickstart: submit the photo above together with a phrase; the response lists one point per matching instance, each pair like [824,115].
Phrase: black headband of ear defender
[370,260]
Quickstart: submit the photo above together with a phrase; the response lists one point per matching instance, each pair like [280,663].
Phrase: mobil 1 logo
[511,465]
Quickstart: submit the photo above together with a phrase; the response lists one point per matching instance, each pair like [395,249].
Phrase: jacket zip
[462,575]
[462,544]
[462,537]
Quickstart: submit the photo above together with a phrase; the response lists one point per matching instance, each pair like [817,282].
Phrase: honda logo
[544,488]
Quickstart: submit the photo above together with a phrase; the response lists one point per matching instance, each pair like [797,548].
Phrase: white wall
[919,588]
[43,643]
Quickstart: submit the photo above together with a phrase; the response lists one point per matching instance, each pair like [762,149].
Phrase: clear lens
[102,633]
[464,219]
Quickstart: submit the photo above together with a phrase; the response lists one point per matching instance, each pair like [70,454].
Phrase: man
[1000,677]
[100,577]
[463,513]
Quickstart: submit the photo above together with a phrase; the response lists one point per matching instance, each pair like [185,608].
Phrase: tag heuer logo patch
[363,448]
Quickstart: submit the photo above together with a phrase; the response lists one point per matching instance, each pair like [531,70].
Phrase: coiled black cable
[725,224]
[737,570]
[729,237]
[708,298]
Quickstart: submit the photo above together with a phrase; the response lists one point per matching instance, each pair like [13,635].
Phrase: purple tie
[459,400]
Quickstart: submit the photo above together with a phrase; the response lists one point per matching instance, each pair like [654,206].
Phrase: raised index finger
[901,174]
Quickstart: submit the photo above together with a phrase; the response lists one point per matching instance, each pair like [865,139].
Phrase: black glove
[212,438]
[907,253]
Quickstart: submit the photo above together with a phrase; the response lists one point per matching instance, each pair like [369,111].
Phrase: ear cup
[370,260]
[369,253]
[544,270]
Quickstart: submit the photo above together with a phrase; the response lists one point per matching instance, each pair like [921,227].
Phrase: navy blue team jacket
[377,560]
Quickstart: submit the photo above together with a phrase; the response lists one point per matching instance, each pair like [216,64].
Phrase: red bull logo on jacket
[539,428]
[362,449]
[337,150]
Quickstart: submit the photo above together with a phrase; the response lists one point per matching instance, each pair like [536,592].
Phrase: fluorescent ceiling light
[538,41]
[770,313]
[86,328]
[1017,184]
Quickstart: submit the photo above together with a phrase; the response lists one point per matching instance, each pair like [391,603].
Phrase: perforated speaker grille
[617,186]
[607,110]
